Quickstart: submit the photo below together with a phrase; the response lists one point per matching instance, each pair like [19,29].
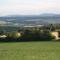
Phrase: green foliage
[36,35]
[30,34]
[13,35]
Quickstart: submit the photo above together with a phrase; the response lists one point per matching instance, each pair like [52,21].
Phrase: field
[30,51]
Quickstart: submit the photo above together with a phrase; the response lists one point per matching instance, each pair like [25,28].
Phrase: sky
[29,7]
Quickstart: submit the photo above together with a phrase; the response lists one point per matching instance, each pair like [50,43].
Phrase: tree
[13,36]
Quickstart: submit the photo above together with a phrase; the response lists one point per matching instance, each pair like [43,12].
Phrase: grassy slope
[30,51]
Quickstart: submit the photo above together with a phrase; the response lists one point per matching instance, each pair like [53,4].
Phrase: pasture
[30,51]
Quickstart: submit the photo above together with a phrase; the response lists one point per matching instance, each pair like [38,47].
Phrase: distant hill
[31,19]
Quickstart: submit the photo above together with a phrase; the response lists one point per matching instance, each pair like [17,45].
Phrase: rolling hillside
[30,19]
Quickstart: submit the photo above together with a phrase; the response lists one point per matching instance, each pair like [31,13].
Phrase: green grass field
[30,51]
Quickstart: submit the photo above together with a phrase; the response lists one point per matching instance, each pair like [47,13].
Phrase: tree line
[30,34]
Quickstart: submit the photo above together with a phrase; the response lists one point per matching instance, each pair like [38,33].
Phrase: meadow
[30,50]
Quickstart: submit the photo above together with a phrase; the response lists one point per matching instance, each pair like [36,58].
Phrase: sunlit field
[30,51]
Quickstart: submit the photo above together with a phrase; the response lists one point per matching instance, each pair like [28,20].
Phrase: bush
[13,35]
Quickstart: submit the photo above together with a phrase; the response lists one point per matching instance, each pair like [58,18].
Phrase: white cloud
[29,6]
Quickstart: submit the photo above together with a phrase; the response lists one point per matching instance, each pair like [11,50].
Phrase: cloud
[29,6]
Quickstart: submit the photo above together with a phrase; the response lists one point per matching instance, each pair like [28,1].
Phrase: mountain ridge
[32,19]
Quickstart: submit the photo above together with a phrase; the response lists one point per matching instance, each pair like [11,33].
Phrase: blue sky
[29,7]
